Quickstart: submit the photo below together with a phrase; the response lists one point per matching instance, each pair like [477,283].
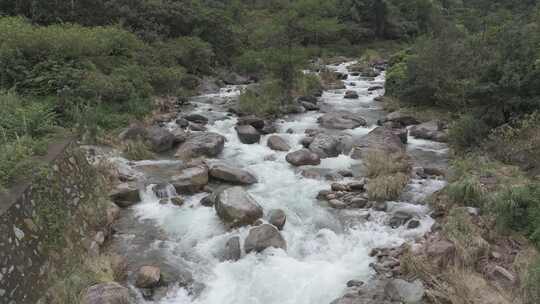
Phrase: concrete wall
[46,223]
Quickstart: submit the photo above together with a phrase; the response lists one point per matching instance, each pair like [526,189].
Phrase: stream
[326,247]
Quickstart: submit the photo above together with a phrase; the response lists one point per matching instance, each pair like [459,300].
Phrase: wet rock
[262,237]
[303,157]
[310,106]
[248,134]
[306,141]
[196,118]
[160,139]
[341,120]
[191,179]
[203,144]
[268,128]
[277,143]
[252,120]
[403,119]
[177,201]
[232,175]
[277,218]
[375,88]
[359,185]
[401,290]
[182,123]
[429,130]
[399,218]
[379,140]
[325,145]
[354,283]
[180,136]
[207,201]
[380,206]
[358,202]
[197,127]
[237,207]
[125,194]
[233,252]
[337,204]
[351,95]
[106,293]
[148,277]
[413,224]
[339,187]
[345,173]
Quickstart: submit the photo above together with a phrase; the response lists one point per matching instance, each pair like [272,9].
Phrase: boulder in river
[303,157]
[191,179]
[233,175]
[308,98]
[351,95]
[375,88]
[309,106]
[262,237]
[277,218]
[233,252]
[248,134]
[341,120]
[148,277]
[134,131]
[252,120]
[402,118]
[106,293]
[202,144]
[160,139]
[430,130]
[325,145]
[125,194]
[237,207]
[196,118]
[380,139]
[277,143]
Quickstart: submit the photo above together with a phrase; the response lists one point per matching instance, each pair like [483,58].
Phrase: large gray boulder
[341,120]
[248,134]
[351,95]
[236,207]
[202,144]
[303,157]
[262,237]
[135,131]
[278,144]
[380,139]
[106,293]
[125,194]
[401,118]
[252,120]
[160,139]
[325,145]
[405,292]
[232,175]
[431,130]
[191,179]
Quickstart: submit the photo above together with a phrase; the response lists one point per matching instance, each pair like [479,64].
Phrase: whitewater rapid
[326,247]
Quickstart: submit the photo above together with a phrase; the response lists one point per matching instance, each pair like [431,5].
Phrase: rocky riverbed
[239,209]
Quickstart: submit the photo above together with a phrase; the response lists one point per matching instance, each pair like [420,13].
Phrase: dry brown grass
[387,187]
[379,164]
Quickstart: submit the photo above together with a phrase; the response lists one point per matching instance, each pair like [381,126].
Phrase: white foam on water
[326,247]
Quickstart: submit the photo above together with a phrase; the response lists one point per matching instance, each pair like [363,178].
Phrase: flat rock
[125,194]
[191,179]
[303,157]
[277,143]
[341,120]
[380,139]
[429,130]
[232,175]
[202,144]
[403,119]
[106,293]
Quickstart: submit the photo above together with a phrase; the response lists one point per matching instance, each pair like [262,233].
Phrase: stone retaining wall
[45,224]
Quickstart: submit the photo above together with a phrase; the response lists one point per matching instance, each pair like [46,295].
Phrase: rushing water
[326,247]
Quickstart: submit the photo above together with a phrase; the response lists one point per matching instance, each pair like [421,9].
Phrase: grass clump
[378,163]
[262,101]
[387,187]
[137,150]
[467,192]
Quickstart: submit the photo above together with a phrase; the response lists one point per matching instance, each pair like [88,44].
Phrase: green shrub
[518,209]
[532,283]
[308,84]
[467,132]
[264,100]
[16,160]
[467,192]
[137,150]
